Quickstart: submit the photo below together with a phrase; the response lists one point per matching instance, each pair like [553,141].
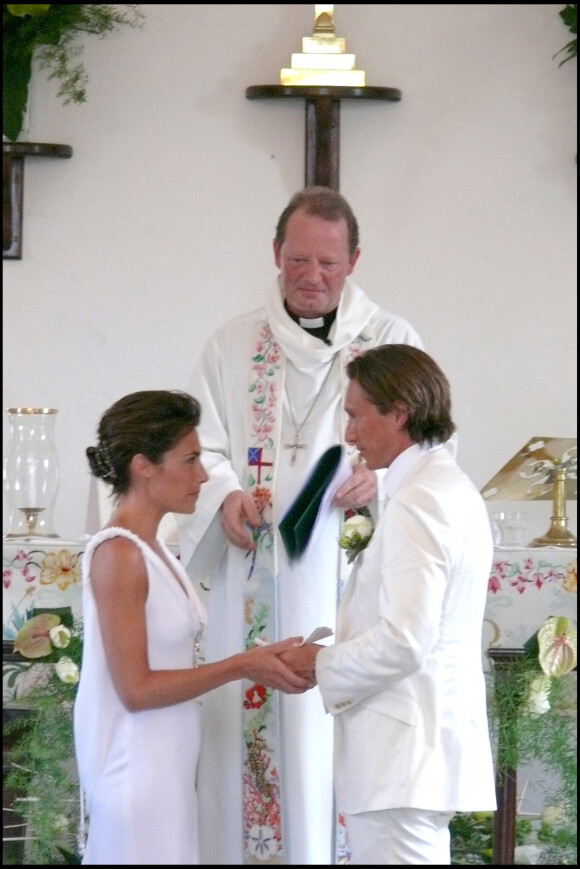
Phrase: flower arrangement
[356,533]
[48,33]
[45,636]
[533,720]
[42,759]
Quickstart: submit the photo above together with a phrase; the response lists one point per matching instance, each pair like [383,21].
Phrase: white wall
[160,225]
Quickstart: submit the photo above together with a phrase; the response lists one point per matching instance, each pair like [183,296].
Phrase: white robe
[307,590]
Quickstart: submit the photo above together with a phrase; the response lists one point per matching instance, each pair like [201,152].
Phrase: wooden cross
[322,103]
[295,447]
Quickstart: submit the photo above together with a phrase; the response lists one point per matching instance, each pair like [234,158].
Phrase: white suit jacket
[404,679]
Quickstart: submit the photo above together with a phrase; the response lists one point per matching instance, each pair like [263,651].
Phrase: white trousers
[399,837]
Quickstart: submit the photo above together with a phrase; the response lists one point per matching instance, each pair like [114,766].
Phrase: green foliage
[42,761]
[471,838]
[472,835]
[523,737]
[49,34]
[525,731]
[548,740]
[569,15]
[39,769]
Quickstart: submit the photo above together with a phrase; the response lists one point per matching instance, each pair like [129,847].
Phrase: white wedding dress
[138,769]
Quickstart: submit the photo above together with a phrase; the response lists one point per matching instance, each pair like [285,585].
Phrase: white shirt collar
[355,310]
[397,470]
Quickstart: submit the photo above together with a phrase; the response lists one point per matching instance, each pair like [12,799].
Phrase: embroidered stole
[261,770]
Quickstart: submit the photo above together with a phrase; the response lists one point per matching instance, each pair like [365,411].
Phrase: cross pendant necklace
[297,445]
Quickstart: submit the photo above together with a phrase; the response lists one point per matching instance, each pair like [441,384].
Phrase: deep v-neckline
[168,566]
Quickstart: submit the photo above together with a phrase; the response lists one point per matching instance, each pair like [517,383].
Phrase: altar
[526,586]
[39,572]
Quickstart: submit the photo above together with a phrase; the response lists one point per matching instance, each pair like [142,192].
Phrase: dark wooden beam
[504,819]
[13,154]
[322,146]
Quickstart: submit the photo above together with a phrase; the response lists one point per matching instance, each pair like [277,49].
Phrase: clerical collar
[317,326]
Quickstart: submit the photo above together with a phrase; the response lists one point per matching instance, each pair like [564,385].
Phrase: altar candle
[32,486]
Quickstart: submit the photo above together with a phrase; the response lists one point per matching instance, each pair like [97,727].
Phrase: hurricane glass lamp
[31,472]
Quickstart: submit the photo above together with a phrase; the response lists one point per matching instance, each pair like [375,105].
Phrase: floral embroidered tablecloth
[37,573]
[527,586]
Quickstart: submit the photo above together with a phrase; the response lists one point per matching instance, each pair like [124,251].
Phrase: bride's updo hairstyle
[150,422]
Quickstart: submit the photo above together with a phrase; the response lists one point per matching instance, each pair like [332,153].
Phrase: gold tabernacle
[323,60]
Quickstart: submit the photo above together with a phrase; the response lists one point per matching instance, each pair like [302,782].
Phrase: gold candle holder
[558,533]
[534,474]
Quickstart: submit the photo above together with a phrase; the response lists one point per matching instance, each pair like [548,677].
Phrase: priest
[271,385]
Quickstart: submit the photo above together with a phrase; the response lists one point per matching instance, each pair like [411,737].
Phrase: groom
[404,680]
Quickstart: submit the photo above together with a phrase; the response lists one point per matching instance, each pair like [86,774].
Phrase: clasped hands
[302,660]
[287,665]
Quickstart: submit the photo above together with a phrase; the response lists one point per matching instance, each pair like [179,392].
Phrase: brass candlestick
[558,533]
[543,469]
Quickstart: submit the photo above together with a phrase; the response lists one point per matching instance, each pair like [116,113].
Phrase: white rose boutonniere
[355,533]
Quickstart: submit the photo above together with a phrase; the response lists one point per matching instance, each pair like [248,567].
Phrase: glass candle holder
[31,472]
[510,527]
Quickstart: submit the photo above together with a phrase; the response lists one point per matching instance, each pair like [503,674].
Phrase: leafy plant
[41,758]
[48,33]
[472,835]
[548,738]
[532,720]
[569,15]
